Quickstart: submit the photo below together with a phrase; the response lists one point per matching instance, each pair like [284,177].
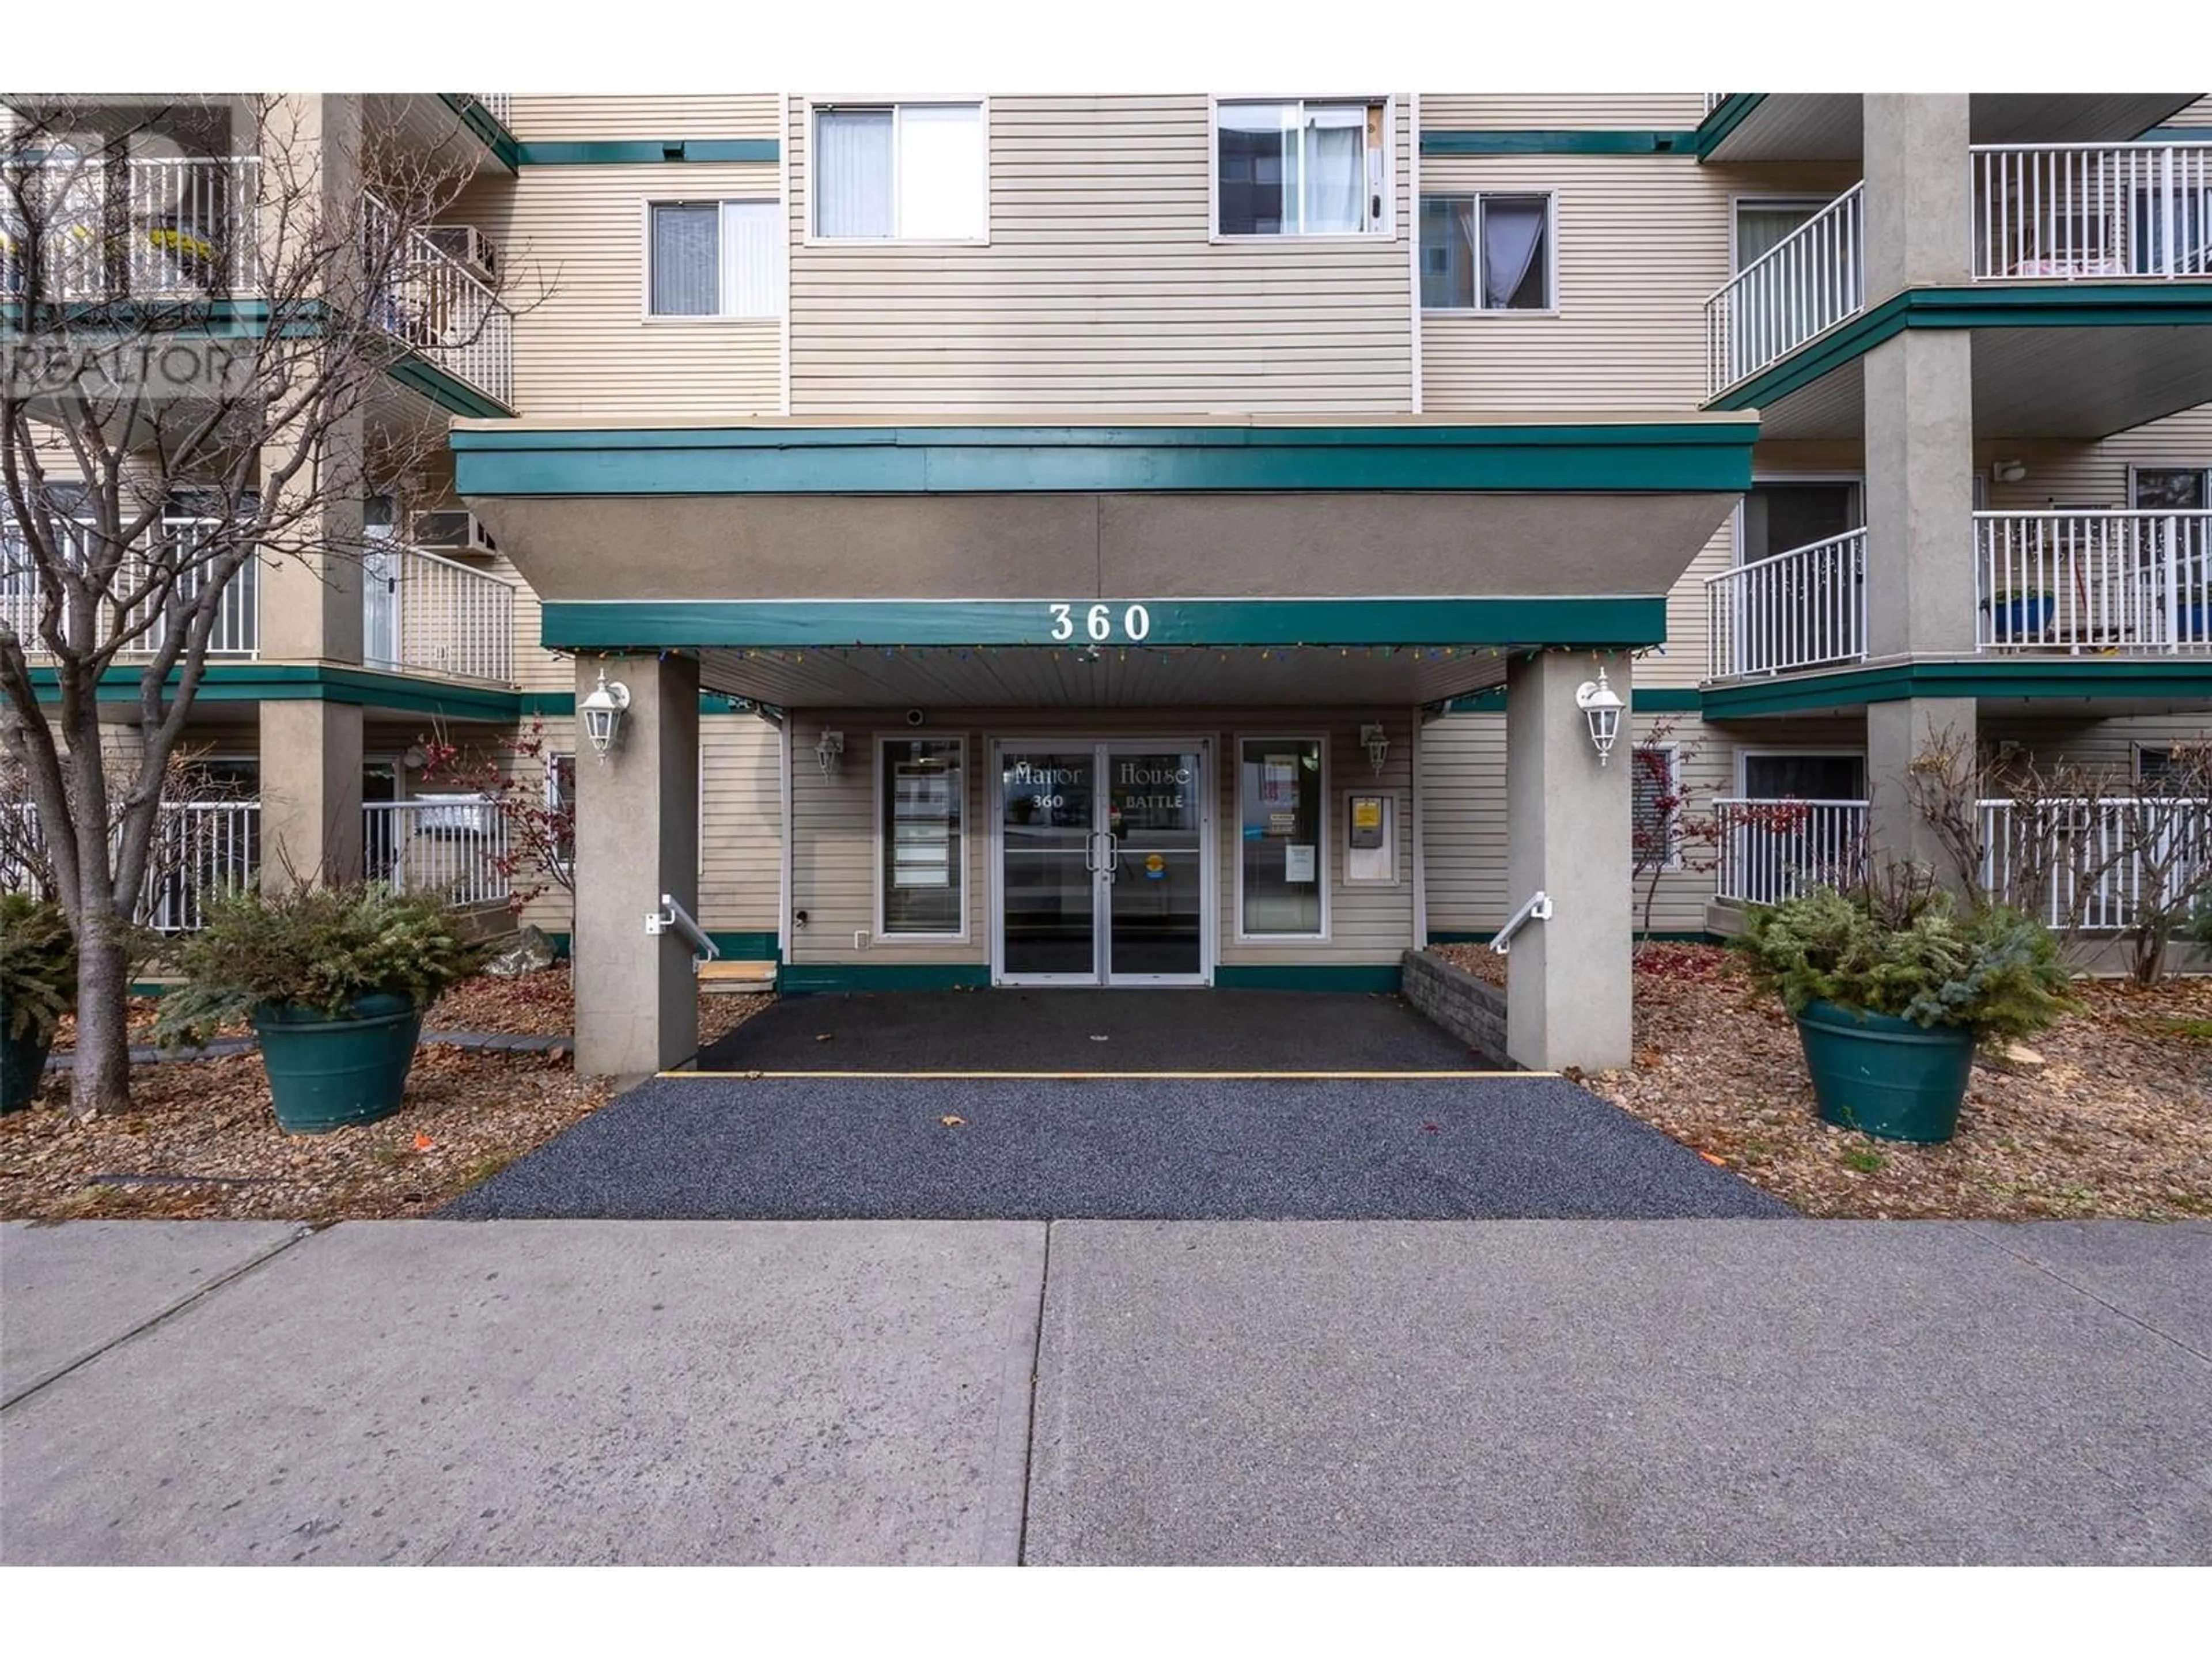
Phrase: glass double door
[1102,865]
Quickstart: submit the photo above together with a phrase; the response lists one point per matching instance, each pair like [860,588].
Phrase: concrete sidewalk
[1472,1392]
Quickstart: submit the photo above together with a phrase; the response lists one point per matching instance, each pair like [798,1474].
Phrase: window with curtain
[1655,805]
[901,172]
[716,259]
[1487,253]
[1301,169]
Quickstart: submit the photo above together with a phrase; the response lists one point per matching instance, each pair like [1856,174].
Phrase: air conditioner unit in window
[467,246]
[450,530]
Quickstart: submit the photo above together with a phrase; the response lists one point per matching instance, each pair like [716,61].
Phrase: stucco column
[637,837]
[1919,196]
[1898,733]
[310,792]
[1568,981]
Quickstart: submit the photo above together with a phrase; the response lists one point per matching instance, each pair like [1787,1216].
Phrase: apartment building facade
[1175,540]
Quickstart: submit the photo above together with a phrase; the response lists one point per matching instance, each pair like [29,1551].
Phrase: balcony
[178,229]
[1803,608]
[167,229]
[2044,214]
[454,846]
[2094,583]
[236,635]
[2080,865]
[422,614]
[199,849]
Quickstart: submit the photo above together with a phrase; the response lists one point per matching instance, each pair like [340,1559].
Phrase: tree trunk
[102,1080]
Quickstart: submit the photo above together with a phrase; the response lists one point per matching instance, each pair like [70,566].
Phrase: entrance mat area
[1126,1148]
[1012,1029]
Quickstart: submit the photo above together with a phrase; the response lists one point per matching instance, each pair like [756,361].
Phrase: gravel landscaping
[2117,1122]
[201,1141]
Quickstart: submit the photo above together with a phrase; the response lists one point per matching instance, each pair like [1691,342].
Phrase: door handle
[1113,852]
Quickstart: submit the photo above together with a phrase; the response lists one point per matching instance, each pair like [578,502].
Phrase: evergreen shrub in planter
[38,986]
[1892,991]
[336,980]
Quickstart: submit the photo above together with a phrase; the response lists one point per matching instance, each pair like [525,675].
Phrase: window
[922,859]
[1282,856]
[1301,169]
[2170,489]
[1656,806]
[2179,768]
[1762,223]
[1486,253]
[715,259]
[901,172]
[1813,776]
[561,806]
[1777,517]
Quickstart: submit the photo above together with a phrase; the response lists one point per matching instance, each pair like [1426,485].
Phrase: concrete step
[736,976]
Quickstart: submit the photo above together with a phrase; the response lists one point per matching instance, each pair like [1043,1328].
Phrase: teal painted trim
[2057,305]
[1371,977]
[748,947]
[1652,699]
[803,979]
[480,121]
[2176,136]
[767,624]
[195,319]
[1636,457]
[634,152]
[449,391]
[366,687]
[554,703]
[1723,119]
[1529,141]
[2083,680]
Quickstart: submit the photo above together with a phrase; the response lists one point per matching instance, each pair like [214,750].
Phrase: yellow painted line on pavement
[1095,1077]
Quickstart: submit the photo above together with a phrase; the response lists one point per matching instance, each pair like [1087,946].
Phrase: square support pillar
[1897,734]
[637,837]
[1569,981]
[1920,495]
[1919,190]
[310,792]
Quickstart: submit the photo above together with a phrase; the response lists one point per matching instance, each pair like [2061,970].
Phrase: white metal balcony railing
[436,306]
[420,612]
[2070,211]
[200,849]
[2102,862]
[1799,609]
[237,631]
[496,102]
[148,227]
[2093,864]
[1773,850]
[1804,285]
[452,846]
[2093,581]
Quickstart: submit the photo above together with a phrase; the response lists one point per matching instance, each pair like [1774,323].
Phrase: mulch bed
[2118,1123]
[201,1140]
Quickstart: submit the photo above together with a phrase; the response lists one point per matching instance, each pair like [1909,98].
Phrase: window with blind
[1656,806]
[1487,252]
[901,172]
[715,259]
[1302,167]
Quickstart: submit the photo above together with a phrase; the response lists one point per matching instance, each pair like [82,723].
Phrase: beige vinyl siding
[1641,242]
[2106,745]
[573,242]
[1101,289]
[2198,114]
[1548,111]
[834,846]
[568,118]
[2085,475]
[740,824]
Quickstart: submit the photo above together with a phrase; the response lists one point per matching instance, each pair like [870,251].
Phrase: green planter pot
[324,1073]
[22,1063]
[1885,1076]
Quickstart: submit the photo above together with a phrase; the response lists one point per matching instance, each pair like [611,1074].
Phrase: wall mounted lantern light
[603,710]
[1601,707]
[828,751]
[1377,742]
[2009,471]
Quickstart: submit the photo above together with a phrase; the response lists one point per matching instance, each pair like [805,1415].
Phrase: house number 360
[1098,623]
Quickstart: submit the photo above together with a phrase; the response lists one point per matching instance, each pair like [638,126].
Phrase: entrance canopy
[1231,561]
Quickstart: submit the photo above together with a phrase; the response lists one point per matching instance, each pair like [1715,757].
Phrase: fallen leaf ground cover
[2117,1122]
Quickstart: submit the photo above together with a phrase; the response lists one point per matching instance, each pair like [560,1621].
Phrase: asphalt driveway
[1192,1148]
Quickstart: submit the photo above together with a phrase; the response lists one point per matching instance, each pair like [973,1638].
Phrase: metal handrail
[1538,909]
[672,917]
